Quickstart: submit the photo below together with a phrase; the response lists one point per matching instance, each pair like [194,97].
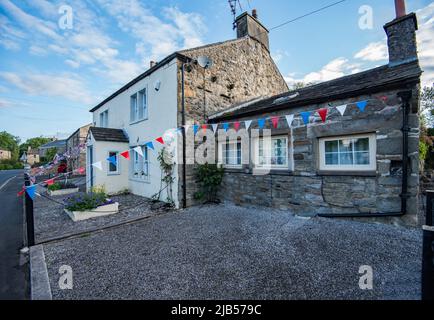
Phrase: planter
[101,211]
[62,192]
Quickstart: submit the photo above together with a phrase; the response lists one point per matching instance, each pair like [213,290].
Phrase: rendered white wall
[162,115]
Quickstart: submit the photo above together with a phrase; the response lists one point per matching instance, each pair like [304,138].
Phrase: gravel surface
[228,252]
[52,222]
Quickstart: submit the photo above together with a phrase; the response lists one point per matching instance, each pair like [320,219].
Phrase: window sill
[347,173]
[147,180]
[138,121]
[114,174]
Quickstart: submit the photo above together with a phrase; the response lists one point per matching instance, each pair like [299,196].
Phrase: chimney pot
[255,13]
[400,8]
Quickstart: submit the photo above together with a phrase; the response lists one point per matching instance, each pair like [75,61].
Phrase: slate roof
[54,144]
[107,134]
[367,82]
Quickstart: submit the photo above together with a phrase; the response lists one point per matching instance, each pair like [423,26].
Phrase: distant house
[76,148]
[177,91]
[5,154]
[32,156]
[60,146]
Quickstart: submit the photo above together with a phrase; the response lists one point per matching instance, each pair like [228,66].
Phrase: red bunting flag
[160,140]
[81,170]
[21,192]
[383,98]
[204,127]
[126,154]
[49,182]
[323,114]
[237,125]
[275,121]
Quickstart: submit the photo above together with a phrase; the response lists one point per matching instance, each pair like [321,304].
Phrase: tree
[427,104]
[300,85]
[9,142]
[34,143]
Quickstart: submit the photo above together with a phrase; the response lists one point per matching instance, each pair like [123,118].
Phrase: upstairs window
[139,106]
[352,153]
[103,119]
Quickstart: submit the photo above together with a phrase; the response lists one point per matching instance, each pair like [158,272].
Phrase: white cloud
[37,51]
[425,39]
[67,86]
[375,51]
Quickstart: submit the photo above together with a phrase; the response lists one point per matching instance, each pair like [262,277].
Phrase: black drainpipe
[405,97]
[184,184]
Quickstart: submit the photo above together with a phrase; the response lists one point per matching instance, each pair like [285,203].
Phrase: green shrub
[209,178]
[61,185]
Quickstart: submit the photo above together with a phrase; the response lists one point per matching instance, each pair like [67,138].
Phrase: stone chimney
[401,36]
[249,25]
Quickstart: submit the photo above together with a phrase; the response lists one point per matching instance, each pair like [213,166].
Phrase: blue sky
[51,77]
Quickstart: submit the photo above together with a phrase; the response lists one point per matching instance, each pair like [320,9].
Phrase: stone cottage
[353,164]
[179,90]
[75,148]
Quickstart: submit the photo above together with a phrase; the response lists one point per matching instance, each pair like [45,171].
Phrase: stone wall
[308,191]
[242,70]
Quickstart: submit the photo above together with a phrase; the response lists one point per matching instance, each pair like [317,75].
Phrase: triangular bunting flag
[97,165]
[226,126]
[186,127]
[247,123]
[237,125]
[112,160]
[305,115]
[196,129]
[275,122]
[81,170]
[160,140]
[150,145]
[289,119]
[204,127]
[49,182]
[362,105]
[261,123]
[126,154]
[31,191]
[139,151]
[342,109]
[21,192]
[214,127]
[383,98]
[323,114]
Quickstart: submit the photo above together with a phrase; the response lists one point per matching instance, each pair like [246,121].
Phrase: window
[274,154]
[103,119]
[348,153]
[138,106]
[230,153]
[140,167]
[113,166]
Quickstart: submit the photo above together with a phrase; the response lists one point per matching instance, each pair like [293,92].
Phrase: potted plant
[61,188]
[91,205]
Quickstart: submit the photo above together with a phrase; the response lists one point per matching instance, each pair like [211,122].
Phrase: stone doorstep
[39,281]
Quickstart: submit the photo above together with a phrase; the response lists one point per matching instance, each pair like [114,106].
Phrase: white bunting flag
[97,165]
[186,127]
[247,123]
[214,127]
[139,151]
[342,109]
[289,119]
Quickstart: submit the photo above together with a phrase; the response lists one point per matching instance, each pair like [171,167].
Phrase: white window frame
[273,166]
[222,157]
[134,110]
[142,104]
[372,166]
[143,165]
[117,172]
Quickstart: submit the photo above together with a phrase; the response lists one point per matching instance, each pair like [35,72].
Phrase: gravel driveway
[228,252]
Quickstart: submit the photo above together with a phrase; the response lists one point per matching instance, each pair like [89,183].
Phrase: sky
[52,72]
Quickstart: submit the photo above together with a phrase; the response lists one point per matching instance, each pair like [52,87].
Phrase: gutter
[405,96]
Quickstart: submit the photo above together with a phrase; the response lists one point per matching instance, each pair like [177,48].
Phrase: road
[13,277]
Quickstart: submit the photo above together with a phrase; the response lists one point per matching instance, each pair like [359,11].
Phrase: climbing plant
[209,178]
[165,159]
